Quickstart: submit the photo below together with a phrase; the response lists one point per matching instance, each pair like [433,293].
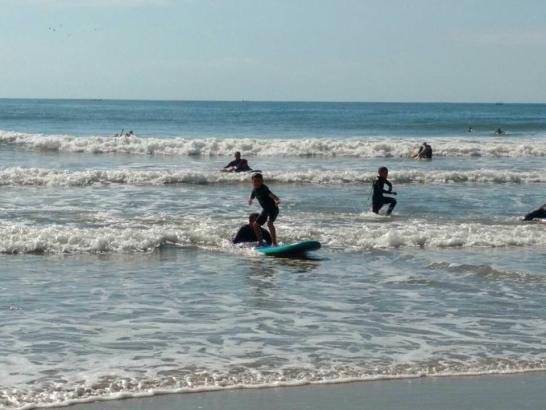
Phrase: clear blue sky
[335,50]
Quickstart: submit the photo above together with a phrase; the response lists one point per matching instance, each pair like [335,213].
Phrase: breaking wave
[18,176]
[17,238]
[275,147]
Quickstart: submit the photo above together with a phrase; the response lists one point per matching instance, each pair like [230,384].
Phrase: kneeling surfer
[247,233]
[378,200]
[270,208]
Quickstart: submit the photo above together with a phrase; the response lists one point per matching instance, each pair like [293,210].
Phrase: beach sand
[499,392]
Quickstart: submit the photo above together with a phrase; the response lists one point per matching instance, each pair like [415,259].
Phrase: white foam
[116,388]
[57,239]
[18,176]
[277,147]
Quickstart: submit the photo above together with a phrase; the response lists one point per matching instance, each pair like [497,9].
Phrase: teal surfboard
[291,249]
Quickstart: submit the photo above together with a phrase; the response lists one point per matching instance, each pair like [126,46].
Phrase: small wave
[278,148]
[189,380]
[126,238]
[18,176]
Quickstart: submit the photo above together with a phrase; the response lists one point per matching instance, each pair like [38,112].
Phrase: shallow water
[118,276]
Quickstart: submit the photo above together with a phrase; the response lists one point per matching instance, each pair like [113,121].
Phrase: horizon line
[500,102]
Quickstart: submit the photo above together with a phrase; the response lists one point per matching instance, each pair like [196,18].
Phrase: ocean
[118,277]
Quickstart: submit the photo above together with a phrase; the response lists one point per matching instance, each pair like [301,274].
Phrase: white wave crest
[275,147]
[127,238]
[19,176]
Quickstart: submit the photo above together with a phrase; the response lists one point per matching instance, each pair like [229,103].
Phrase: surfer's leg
[272,217]
[273,232]
[391,202]
[376,206]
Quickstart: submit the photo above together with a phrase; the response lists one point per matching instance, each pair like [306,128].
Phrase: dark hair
[237,153]
[382,169]
[257,176]
[253,216]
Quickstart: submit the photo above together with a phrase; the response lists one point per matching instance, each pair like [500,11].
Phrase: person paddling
[539,213]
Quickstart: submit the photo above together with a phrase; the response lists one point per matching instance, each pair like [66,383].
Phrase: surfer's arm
[274,198]
[390,191]
[385,191]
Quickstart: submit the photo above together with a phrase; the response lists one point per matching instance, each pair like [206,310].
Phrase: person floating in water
[539,213]
[270,208]
[469,129]
[499,131]
[378,200]
[425,151]
[247,234]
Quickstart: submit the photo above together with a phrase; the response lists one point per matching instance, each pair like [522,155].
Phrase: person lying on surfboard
[247,234]
[539,213]
[378,200]
[237,165]
[270,208]
[233,164]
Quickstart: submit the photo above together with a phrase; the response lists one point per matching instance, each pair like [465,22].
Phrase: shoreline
[494,391]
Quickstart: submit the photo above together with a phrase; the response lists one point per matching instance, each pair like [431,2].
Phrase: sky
[304,50]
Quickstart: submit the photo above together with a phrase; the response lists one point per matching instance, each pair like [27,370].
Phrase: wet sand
[499,392]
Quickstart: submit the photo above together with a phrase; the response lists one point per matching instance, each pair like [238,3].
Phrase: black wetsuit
[270,210]
[425,151]
[247,234]
[235,163]
[243,168]
[378,200]
[537,213]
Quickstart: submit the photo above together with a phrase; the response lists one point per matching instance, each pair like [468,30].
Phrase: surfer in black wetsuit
[538,213]
[237,165]
[378,200]
[247,234]
[425,151]
[270,208]
[233,164]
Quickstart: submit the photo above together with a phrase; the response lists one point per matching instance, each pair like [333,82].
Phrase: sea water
[118,277]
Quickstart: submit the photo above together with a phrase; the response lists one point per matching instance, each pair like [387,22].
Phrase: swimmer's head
[237,155]
[383,172]
[252,217]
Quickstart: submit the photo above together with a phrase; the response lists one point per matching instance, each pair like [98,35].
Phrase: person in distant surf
[270,208]
[539,213]
[378,200]
[232,166]
[469,129]
[247,234]
[241,166]
[425,151]
[499,131]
